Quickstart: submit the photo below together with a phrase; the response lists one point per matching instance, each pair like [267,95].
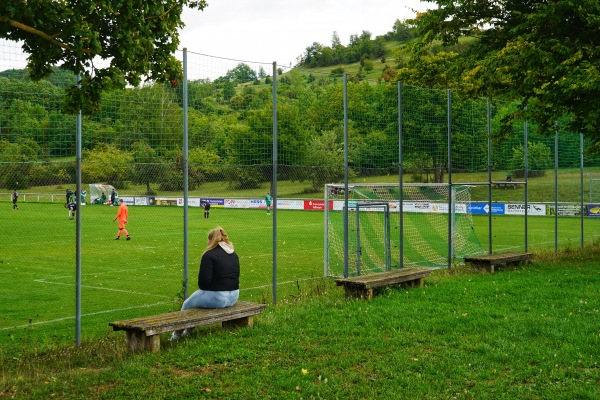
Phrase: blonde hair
[215,236]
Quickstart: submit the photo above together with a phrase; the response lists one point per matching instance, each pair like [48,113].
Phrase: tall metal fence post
[489,168]
[346,175]
[274,183]
[556,188]
[450,205]
[185,175]
[526,179]
[581,186]
[400,179]
[78,224]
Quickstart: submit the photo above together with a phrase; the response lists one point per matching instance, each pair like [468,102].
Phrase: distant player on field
[206,206]
[122,216]
[15,198]
[268,200]
[72,210]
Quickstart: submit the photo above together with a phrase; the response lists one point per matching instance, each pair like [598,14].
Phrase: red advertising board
[318,205]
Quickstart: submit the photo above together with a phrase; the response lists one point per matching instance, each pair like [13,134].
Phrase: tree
[107,164]
[136,38]
[16,162]
[242,73]
[325,160]
[543,53]
[146,170]
[335,40]
[539,159]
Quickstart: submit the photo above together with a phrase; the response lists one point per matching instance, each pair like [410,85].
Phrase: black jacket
[219,271]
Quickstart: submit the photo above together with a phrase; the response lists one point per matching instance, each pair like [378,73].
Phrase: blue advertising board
[593,210]
[484,209]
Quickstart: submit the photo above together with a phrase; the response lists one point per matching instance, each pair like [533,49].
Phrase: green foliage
[17,163]
[138,42]
[316,344]
[205,166]
[325,160]
[360,46]
[107,164]
[146,169]
[539,158]
[242,73]
[543,53]
[243,178]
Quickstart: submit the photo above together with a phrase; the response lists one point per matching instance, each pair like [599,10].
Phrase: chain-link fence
[240,141]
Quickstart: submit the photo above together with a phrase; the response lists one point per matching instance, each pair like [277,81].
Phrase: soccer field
[37,248]
[123,279]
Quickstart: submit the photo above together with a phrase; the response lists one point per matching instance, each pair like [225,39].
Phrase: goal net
[99,193]
[594,189]
[429,230]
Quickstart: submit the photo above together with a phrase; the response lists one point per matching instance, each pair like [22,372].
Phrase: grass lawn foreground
[529,332]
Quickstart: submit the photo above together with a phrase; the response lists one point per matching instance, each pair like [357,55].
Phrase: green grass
[124,279]
[540,189]
[522,333]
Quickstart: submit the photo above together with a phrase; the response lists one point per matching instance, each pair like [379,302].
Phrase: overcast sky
[281,30]
[271,30]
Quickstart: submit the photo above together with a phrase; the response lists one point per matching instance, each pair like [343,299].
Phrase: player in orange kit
[122,216]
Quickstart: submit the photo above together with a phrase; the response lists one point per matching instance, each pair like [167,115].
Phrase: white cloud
[276,30]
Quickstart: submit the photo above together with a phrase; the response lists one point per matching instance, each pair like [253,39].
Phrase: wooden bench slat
[362,286]
[168,322]
[488,261]
[144,333]
[385,278]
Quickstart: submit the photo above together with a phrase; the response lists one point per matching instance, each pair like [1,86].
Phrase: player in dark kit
[72,210]
[206,206]
[15,198]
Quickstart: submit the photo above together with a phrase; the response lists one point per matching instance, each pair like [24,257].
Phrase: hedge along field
[124,279]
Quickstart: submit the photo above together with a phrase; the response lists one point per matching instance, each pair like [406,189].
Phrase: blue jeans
[209,299]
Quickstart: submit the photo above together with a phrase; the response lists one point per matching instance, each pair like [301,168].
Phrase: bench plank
[488,261]
[362,286]
[144,333]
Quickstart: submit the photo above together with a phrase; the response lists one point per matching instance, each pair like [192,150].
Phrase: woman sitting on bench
[218,278]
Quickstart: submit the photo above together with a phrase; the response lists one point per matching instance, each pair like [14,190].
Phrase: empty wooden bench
[488,261]
[362,286]
[144,333]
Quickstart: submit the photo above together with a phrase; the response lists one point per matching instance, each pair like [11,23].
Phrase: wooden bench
[505,185]
[488,261]
[144,333]
[362,286]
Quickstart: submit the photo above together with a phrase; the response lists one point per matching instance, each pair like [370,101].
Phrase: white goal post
[429,231]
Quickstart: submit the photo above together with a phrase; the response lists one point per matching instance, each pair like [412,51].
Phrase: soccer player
[15,198]
[83,195]
[68,195]
[72,210]
[122,216]
[268,200]
[206,206]
[113,197]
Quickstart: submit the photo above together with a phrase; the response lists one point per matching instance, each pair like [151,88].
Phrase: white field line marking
[278,283]
[109,272]
[130,308]
[101,288]
[84,315]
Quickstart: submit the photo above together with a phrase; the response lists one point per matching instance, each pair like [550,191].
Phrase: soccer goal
[429,230]
[99,193]
[594,189]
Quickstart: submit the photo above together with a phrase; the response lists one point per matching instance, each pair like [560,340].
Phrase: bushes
[539,159]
